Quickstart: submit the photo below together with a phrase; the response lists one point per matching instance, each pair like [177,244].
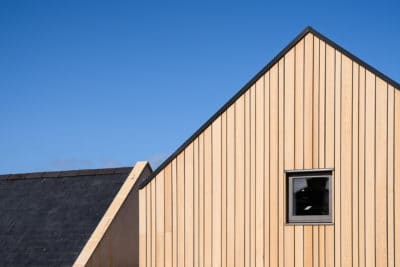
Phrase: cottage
[299,168]
[81,217]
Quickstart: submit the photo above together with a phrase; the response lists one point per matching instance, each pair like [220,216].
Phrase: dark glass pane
[311,196]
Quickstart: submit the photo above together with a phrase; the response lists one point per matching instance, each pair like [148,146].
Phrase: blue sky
[91,84]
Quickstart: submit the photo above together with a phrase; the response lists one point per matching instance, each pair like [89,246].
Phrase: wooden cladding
[221,201]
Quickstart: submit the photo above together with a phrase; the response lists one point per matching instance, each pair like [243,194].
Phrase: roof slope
[46,218]
[247,86]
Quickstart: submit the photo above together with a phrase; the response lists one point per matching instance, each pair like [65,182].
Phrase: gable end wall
[221,201]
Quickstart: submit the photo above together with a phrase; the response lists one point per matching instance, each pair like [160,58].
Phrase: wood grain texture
[370,170]
[259,175]
[397,181]
[230,184]
[239,181]
[208,227]
[196,202]
[224,199]
[216,192]
[160,230]
[168,204]
[381,135]
[189,207]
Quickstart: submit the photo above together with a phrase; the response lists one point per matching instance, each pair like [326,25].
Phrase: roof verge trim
[69,173]
[275,60]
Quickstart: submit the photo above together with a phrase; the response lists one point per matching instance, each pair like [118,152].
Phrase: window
[309,196]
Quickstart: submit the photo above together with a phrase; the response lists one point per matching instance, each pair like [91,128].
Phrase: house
[300,168]
[59,218]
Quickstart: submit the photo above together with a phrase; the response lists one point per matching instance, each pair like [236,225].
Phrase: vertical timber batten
[222,200]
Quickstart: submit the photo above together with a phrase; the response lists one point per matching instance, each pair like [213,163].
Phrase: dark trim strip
[70,173]
[312,171]
[275,60]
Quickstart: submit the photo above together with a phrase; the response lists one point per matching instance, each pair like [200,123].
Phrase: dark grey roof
[46,218]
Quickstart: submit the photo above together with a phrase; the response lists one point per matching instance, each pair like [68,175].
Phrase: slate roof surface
[46,218]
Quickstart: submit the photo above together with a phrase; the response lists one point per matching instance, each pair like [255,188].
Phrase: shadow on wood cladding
[224,191]
[115,239]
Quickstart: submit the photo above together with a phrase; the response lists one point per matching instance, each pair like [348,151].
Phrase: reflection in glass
[311,196]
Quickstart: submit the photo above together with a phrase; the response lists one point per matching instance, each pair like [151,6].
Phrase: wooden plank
[308,134]
[289,144]
[294,85]
[322,142]
[337,177]
[239,181]
[174,214]
[295,76]
[397,176]
[316,92]
[160,236]
[247,177]
[330,144]
[370,170]
[259,162]
[330,107]
[308,101]
[142,228]
[188,180]
[322,112]
[252,177]
[346,162]
[281,161]
[315,245]
[316,133]
[180,186]
[321,241]
[329,245]
[201,200]
[223,190]
[308,245]
[149,223]
[381,172]
[168,215]
[299,249]
[230,189]
[273,175]
[153,223]
[208,197]
[361,168]
[390,180]
[196,202]
[266,168]
[355,184]
[216,192]
[298,66]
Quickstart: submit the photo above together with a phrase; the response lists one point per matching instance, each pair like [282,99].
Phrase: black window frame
[307,219]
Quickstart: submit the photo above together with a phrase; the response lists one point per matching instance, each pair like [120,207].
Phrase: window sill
[308,223]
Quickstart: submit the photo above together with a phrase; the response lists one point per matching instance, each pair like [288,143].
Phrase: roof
[46,218]
[247,86]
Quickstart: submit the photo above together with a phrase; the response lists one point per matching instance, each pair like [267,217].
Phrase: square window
[309,196]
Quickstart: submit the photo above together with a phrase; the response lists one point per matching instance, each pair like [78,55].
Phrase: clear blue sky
[89,84]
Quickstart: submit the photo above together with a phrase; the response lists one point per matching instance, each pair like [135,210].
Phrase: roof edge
[274,61]
[129,186]
[68,173]
[353,57]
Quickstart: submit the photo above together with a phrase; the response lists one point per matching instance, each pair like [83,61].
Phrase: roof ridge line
[267,67]
[65,173]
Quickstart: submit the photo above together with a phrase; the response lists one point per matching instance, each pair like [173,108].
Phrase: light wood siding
[224,202]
